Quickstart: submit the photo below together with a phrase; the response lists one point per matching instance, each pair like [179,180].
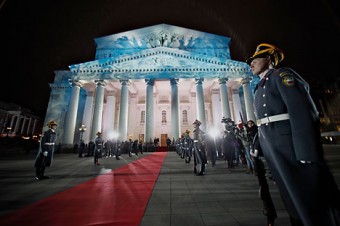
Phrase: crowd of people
[233,145]
[110,148]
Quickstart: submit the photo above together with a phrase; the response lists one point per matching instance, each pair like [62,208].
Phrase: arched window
[185,116]
[163,116]
[142,117]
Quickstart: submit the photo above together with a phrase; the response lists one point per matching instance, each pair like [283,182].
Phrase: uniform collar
[265,78]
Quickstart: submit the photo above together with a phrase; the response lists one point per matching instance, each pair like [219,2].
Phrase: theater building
[151,82]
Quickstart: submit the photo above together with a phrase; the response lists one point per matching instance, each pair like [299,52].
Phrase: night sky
[39,37]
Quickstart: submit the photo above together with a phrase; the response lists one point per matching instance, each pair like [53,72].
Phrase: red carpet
[117,198]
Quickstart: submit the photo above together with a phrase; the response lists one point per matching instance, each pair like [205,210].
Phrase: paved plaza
[221,197]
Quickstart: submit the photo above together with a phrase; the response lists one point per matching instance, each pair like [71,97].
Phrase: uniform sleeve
[304,125]
[43,140]
[256,143]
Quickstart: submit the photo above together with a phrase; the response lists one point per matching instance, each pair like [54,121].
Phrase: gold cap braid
[265,49]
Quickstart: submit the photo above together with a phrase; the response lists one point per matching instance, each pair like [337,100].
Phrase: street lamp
[82,129]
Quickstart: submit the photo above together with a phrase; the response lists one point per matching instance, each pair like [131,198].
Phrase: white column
[123,111]
[236,105]
[216,109]
[200,103]
[174,109]
[224,97]
[23,125]
[109,115]
[34,125]
[98,109]
[28,131]
[149,114]
[71,115]
[87,116]
[248,99]
[17,123]
[133,126]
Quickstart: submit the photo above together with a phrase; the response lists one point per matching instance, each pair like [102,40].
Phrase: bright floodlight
[113,135]
[214,132]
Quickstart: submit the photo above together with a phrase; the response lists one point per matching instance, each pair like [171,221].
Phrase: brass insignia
[288,80]
[282,74]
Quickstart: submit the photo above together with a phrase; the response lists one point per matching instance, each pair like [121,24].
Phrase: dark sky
[38,37]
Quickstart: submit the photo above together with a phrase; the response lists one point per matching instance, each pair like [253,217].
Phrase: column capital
[150,81]
[124,82]
[100,82]
[223,80]
[199,81]
[174,81]
[75,82]
[245,80]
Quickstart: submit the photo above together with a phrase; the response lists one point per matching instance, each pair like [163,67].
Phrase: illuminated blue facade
[157,53]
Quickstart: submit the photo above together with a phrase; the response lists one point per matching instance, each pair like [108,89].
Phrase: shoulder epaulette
[284,72]
[287,76]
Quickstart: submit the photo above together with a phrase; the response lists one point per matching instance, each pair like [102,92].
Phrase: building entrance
[163,139]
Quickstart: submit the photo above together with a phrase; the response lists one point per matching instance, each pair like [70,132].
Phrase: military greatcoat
[293,149]
[47,143]
[98,147]
[199,153]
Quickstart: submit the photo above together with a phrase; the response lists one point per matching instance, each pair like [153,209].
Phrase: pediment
[160,62]
[162,35]
[151,58]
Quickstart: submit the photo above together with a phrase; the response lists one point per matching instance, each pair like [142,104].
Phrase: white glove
[45,153]
[254,152]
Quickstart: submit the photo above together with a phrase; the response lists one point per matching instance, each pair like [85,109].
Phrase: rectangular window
[142,117]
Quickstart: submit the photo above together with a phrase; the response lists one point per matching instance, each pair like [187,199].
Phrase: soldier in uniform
[290,138]
[199,152]
[187,146]
[81,148]
[98,142]
[168,143]
[229,142]
[116,148]
[181,146]
[45,154]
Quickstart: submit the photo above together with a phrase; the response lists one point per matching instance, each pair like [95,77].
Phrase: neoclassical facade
[18,121]
[151,82]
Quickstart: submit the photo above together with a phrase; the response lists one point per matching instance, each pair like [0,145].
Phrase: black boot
[42,172]
[37,173]
[270,221]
